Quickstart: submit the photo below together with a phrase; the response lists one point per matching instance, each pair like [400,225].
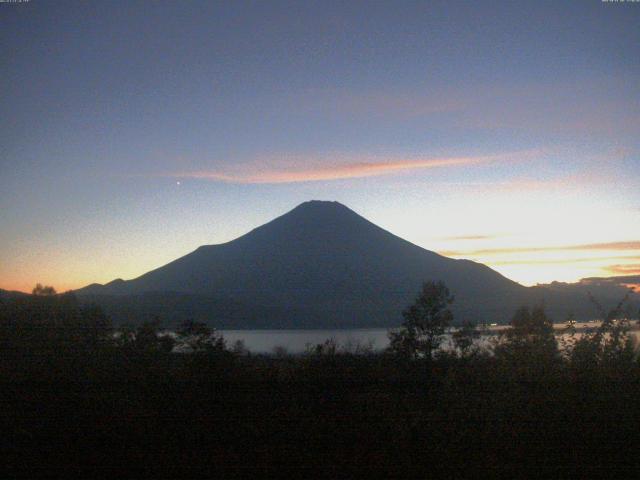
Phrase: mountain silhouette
[321,265]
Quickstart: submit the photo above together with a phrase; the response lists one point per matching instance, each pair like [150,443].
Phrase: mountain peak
[311,219]
[314,213]
[318,205]
[323,208]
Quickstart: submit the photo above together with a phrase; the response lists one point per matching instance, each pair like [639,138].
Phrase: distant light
[177,183]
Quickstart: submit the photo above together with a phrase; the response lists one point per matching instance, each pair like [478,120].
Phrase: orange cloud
[609,246]
[353,169]
[629,269]
[527,261]
[634,245]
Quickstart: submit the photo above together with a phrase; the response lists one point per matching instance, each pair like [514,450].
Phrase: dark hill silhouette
[320,265]
[8,294]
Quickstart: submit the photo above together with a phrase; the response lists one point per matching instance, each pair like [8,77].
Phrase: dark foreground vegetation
[78,399]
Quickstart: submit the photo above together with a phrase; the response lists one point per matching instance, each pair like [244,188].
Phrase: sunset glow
[356,169]
[117,159]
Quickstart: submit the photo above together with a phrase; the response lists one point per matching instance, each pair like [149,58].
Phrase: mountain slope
[320,265]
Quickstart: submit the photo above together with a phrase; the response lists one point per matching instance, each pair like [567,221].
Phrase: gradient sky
[135,131]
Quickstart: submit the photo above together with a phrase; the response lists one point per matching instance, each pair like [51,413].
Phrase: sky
[135,131]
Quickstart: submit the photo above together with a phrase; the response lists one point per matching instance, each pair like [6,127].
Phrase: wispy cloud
[556,107]
[353,168]
[561,261]
[609,246]
[633,245]
[469,237]
[629,269]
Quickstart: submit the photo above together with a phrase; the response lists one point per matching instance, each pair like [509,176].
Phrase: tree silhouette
[464,337]
[425,322]
[43,290]
[531,340]
[197,337]
[611,344]
[149,339]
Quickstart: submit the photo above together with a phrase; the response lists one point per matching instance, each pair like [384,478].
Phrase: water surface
[296,341]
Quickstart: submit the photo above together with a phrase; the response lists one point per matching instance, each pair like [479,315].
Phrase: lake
[296,341]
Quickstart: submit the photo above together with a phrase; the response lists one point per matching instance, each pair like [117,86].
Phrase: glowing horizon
[527,265]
